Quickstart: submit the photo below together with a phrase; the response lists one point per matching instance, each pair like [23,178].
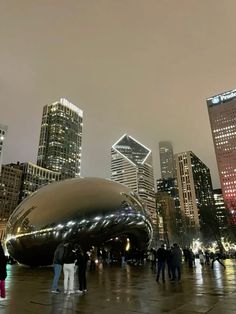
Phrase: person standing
[176,256]
[201,258]
[58,262]
[186,254]
[69,268]
[207,257]
[81,261]
[161,261]
[3,272]
[191,258]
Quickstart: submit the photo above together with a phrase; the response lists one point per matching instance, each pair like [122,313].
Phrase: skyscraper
[10,182]
[166,207]
[168,184]
[195,187]
[60,138]
[170,187]
[166,160]
[3,133]
[222,114]
[131,165]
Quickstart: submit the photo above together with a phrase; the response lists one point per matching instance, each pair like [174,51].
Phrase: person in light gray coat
[176,262]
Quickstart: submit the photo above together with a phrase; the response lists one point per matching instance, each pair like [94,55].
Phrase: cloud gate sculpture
[90,211]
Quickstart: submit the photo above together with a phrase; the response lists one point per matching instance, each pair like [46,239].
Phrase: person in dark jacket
[217,257]
[161,261]
[191,258]
[58,262]
[176,260]
[69,268]
[3,272]
[81,261]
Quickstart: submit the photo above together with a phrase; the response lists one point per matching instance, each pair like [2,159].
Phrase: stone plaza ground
[129,289]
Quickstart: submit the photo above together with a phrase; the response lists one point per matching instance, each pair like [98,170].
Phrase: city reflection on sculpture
[90,211]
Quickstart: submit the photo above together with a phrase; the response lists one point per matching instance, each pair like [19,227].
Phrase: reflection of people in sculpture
[93,256]
[217,258]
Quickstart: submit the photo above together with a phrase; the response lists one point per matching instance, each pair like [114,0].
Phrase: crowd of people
[205,258]
[70,258]
[171,259]
[164,262]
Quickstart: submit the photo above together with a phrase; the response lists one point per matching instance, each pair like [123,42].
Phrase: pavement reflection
[127,289]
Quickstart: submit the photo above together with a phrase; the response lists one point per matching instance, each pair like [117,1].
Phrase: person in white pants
[69,268]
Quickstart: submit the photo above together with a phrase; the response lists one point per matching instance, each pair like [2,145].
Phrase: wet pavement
[129,289]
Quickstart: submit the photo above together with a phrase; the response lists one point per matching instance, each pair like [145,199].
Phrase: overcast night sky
[140,67]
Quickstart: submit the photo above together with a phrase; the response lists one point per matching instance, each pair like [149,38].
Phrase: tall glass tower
[166,160]
[222,114]
[60,138]
[168,184]
[131,165]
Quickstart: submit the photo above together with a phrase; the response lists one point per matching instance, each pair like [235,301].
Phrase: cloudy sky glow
[139,67]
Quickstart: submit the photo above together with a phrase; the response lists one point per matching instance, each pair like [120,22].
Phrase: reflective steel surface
[88,210]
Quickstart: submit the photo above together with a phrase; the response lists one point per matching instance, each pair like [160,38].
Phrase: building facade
[168,184]
[60,139]
[195,187]
[222,114]
[220,210]
[3,133]
[170,187]
[167,162]
[131,165]
[10,183]
[33,177]
[166,208]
